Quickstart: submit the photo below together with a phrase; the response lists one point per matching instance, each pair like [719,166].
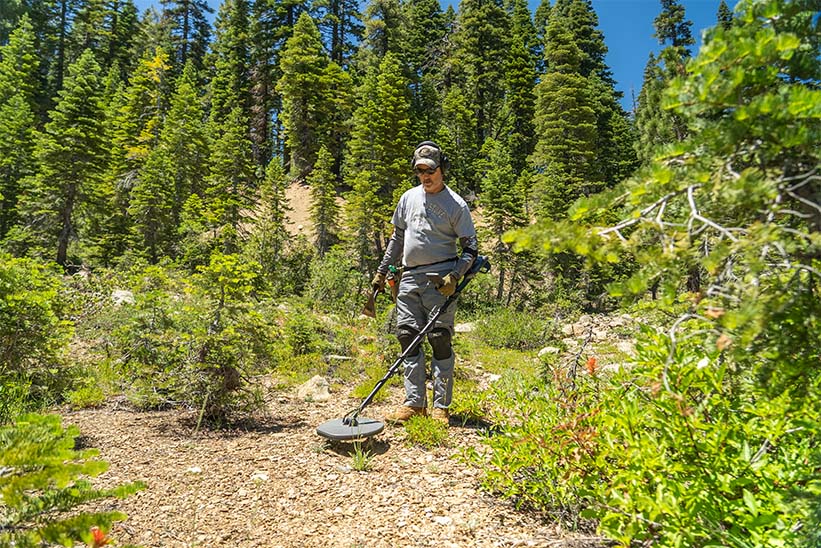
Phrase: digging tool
[370,307]
[354,427]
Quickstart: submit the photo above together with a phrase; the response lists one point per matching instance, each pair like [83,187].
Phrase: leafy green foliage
[426,432]
[196,343]
[507,328]
[33,333]
[44,477]
[711,437]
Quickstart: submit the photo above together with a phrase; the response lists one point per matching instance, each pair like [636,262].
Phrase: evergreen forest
[147,162]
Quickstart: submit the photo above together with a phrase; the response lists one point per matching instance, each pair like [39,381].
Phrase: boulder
[316,389]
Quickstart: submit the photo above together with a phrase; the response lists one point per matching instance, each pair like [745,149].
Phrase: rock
[122,296]
[600,334]
[567,329]
[316,389]
[570,342]
[548,350]
[468,327]
[579,329]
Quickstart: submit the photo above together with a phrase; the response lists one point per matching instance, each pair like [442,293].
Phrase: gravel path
[281,485]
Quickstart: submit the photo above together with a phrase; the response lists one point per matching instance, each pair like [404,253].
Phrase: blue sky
[628,32]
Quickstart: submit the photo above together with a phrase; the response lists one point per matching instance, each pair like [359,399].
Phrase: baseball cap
[427,155]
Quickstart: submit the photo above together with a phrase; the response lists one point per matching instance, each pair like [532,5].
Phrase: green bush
[43,483]
[507,328]
[196,343]
[335,285]
[33,332]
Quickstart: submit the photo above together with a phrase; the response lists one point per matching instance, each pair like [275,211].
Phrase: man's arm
[393,253]
[470,250]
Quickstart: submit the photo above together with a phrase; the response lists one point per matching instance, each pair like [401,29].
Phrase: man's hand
[448,286]
[378,283]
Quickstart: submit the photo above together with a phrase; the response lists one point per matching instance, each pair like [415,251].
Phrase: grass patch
[426,432]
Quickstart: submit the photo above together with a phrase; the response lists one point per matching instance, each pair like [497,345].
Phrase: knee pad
[439,340]
[405,335]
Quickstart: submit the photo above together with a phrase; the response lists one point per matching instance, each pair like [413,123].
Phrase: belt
[412,268]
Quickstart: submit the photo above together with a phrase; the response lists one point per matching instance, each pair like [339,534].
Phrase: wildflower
[591,365]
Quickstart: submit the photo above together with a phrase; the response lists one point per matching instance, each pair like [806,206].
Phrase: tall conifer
[71,152]
[325,211]
[566,125]
[18,81]
[190,31]
[303,65]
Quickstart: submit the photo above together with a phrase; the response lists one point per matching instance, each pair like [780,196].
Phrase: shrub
[335,284]
[33,333]
[43,483]
[196,344]
[507,328]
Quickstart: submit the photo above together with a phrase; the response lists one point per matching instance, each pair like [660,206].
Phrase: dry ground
[278,484]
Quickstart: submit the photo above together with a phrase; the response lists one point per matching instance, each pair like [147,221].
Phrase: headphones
[444,161]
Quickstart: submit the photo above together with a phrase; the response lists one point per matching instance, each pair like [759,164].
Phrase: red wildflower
[591,365]
[98,538]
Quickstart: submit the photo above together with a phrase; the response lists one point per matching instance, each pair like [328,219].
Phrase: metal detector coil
[354,427]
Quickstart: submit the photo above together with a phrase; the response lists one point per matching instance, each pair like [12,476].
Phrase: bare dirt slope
[280,484]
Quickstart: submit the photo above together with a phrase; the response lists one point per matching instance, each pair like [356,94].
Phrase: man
[428,222]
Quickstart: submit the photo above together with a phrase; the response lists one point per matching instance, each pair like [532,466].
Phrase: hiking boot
[403,413]
[440,414]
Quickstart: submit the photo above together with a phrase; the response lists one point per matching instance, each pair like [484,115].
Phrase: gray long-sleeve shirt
[427,228]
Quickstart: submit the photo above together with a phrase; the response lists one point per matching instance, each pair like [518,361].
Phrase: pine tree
[364,220]
[523,30]
[654,125]
[190,31]
[483,52]
[520,80]
[88,30]
[341,23]
[151,205]
[71,156]
[174,169]
[565,122]
[541,18]
[425,31]
[503,201]
[269,236]
[582,22]
[379,145]
[303,65]
[724,15]
[231,182]
[231,85]
[18,81]
[324,208]
[121,31]
[457,137]
[383,32]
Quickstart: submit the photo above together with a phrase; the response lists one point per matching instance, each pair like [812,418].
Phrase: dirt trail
[281,485]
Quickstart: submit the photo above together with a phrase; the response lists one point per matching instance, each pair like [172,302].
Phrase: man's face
[432,179]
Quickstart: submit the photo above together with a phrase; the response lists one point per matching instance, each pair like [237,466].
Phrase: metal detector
[354,427]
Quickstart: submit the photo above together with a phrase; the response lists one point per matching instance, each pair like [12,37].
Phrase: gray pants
[417,301]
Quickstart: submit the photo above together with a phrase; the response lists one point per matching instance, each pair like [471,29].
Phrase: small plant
[43,480]
[361,458]
[468,402]
[426,432]
[506,328]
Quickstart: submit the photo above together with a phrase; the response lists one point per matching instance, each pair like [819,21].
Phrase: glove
[448,286]
[378,282]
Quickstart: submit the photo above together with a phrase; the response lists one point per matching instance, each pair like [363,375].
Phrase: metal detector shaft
[481,264]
